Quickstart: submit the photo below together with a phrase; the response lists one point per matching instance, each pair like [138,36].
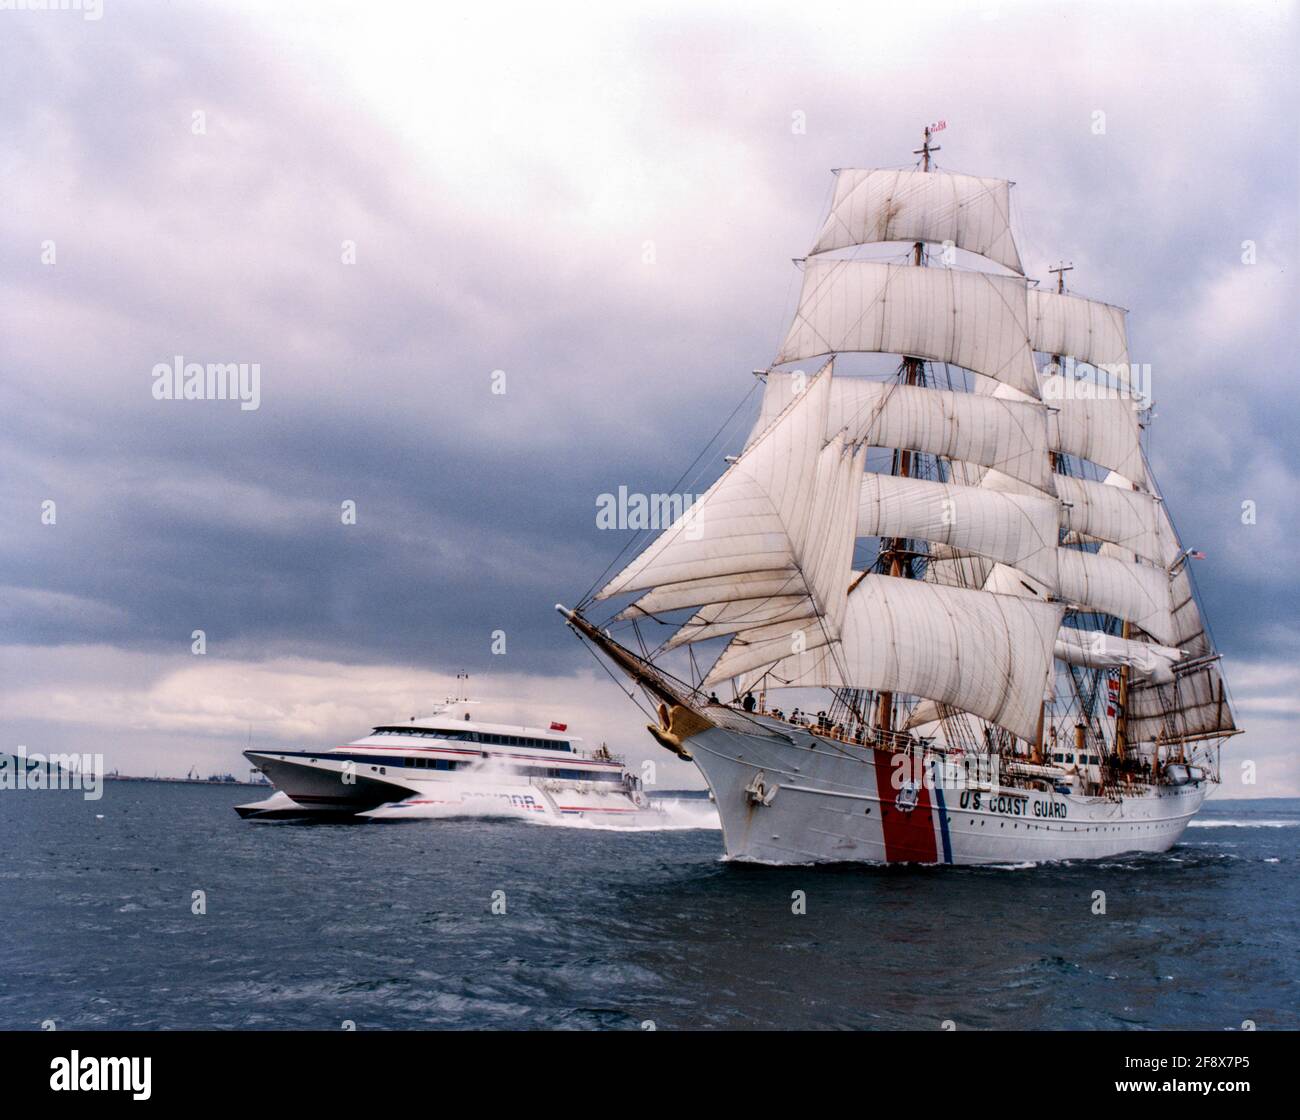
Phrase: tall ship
[938,590]
[451,763]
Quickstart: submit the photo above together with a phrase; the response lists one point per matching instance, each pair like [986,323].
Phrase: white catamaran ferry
[452,764]
[961,554]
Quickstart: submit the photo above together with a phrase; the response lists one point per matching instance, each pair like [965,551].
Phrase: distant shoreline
[229,781]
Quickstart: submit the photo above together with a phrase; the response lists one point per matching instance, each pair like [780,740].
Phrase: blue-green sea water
[312,926]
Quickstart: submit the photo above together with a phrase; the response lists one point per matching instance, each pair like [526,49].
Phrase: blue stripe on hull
[943,824]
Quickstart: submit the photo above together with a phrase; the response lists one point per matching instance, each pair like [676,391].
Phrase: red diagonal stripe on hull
[909,837]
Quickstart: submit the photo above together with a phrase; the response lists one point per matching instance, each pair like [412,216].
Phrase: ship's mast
[1060,270]
[913,374]
[1122,701]
[1121,715]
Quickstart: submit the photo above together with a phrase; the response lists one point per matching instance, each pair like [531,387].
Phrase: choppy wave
[1246,822]
[673,816]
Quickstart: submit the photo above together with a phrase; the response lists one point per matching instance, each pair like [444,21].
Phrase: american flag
[1195,554]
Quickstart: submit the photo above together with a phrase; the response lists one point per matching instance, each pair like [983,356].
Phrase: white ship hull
[325,787]
[790,797]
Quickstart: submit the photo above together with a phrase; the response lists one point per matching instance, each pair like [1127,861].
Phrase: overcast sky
[604,207]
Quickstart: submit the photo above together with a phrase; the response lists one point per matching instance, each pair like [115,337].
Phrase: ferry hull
[329,788]
[786,796]
[321,786]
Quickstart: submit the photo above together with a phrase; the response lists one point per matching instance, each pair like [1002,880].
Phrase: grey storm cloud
[476,511]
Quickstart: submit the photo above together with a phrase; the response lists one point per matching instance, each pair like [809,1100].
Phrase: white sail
[1134,592]
[970,319]
[1082,420]
[739,615]
[745,587]
[1106,511]
[1195,704]
[745,522]
[1010,436]
[1189,627]
[1095,649]
[1017,529]
[957,569]
[1137,593]
[1083,329]
[1104,431]
[821,549]
[881,205]
[985,654]
[990,479]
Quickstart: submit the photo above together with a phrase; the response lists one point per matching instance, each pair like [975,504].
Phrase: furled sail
[970,319]
[1083,329]
[1095,649]
[985,654]
[1010,436]
[1014,528]
[870,206]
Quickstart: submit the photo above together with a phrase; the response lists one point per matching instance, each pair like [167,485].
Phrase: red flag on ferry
[559,726]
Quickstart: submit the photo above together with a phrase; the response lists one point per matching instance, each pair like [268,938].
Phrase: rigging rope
[589,595]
